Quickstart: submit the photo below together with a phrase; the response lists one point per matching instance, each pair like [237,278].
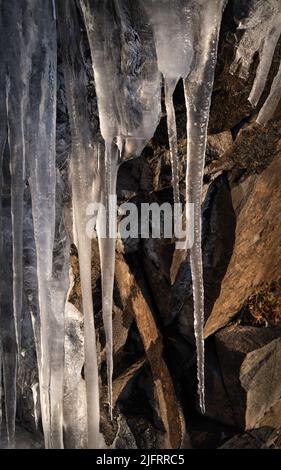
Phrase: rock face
[256,257]
[248,359]
[256,439]
[260,376]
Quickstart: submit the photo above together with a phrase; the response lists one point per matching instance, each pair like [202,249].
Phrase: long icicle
[40,135]
[3,139]
[82,176]
[7,324]
[8,347]
[107,180]
[198,91]
[16,109]
[107,253]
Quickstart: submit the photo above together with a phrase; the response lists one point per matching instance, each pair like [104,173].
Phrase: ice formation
[261,32]
[128,92]
[133,45]
[173,34]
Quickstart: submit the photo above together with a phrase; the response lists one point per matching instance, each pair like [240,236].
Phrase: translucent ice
[128,91]
[198,91]
[83,173]
[261,31]
[173,34]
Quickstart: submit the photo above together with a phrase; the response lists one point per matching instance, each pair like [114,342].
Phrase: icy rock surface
[262,30]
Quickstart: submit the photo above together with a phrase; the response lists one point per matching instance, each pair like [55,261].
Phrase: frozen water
[198,91]
[261,32]
[83,174]
[173,34]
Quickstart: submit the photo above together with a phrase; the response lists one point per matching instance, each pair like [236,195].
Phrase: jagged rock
[273,415]
[133,299]
[256,257]
[255,439]
[260,376]
[248,358]
[120,382]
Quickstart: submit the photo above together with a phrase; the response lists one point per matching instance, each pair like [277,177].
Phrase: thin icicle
[198,91]
[16,109]
[172,134]
[3,139]
[82,176]
[7,325]
[8,346]
[107,256]
[34,389]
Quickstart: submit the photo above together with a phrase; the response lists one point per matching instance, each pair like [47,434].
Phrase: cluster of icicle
[134,44]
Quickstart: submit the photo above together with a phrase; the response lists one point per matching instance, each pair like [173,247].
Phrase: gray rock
[255,439]
[260,376]
[248,358]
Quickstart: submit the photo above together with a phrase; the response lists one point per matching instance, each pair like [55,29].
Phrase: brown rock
[260,376]
[133,299]
[256,258]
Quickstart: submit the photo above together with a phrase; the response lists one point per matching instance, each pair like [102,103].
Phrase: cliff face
[154,382]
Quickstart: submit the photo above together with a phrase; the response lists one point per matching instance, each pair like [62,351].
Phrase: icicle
[38,46]
[172,28]
[8,348]
[198,91]
[3,139]
[107,255]
[172,133]
[16,108]
[34,389]
[7,325]
[129,110]
[58,288]
[128,92]
[262,29]
[82,177]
